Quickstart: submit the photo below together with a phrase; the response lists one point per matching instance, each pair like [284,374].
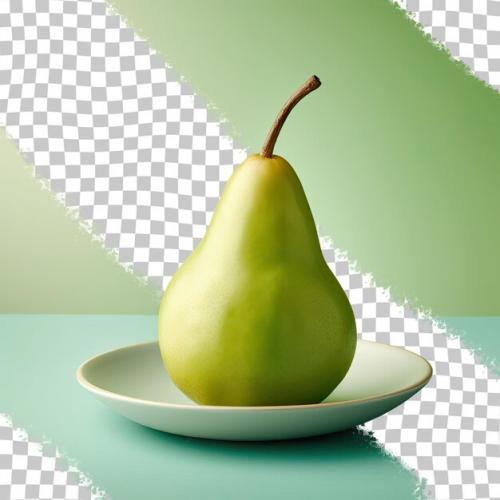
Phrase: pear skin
[254,316]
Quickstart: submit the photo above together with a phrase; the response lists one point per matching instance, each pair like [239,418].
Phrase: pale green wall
[47,262]
[398,152]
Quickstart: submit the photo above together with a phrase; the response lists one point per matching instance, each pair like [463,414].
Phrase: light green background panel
[48,263]
[398,151]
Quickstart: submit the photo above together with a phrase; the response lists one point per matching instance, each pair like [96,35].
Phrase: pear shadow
[352,445]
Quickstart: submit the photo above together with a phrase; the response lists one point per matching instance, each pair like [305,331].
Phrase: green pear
[254,316]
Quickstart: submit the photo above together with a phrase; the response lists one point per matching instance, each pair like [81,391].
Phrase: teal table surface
[39,355]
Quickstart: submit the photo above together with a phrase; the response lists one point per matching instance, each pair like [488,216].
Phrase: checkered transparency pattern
[450,431]
[114,131]
[26,472]
[469,29]
[122,140]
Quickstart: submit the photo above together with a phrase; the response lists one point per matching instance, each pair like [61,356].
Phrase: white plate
[134,383]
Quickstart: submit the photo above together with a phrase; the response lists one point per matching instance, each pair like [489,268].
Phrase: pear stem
[311,84]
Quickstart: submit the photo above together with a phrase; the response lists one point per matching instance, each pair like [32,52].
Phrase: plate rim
[161,404]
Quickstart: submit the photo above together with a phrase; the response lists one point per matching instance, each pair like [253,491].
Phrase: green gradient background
[48,263]
[398,151]
[399,154]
